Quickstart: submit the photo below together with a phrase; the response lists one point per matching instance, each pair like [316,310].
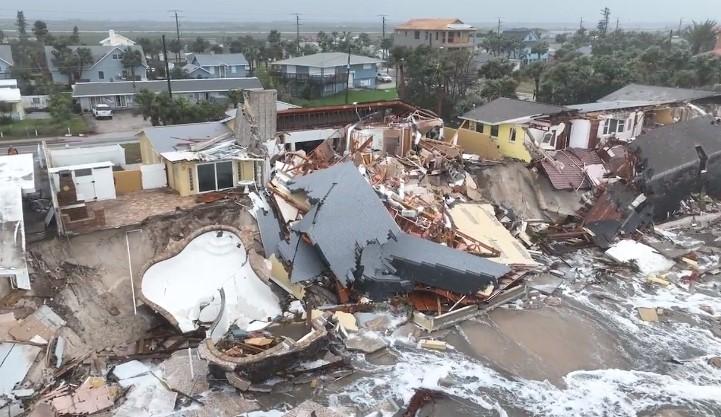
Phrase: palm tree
[132,58]
[84,58]
[701,36]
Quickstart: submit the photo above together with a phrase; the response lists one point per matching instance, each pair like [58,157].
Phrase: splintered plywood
[479,222]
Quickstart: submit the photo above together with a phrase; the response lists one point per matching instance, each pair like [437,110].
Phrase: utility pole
[680,26]
[297,32]
[383,39]
[580,25]
[617,22]
[347,78]
[167,68]
[177,34]
[499,27]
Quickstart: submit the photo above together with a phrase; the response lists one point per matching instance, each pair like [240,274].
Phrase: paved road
[31,145]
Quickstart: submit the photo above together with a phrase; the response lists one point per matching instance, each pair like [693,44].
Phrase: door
[224,174]
[104,183]
[206,178]
[580,134]
[84,184]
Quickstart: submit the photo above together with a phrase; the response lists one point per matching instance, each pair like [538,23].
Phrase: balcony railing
[338,77]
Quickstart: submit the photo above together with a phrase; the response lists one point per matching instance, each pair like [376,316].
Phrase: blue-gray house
[6,61]
[107,65]
[325,74]
[217,66]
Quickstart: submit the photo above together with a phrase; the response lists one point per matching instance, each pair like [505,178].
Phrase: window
[494,131]
[405,33]
[246,171]
[191,180]
[512,136]
[83,172]
[115,56]
[437,35]
[417,34]
[479,127]
[101,75]
[549,140]
[36,100]
[215,176]
[425,35]
[613,126]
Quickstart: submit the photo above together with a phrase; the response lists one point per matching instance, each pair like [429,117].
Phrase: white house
[116,39]
[11,103]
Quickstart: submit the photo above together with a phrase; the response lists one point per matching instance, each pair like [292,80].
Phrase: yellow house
[200,157]
[504,122]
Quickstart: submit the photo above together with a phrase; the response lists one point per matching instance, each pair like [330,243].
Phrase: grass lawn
[354,96]
[45,127]
[132,153]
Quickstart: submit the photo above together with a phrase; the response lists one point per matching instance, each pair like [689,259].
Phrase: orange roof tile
[428,24]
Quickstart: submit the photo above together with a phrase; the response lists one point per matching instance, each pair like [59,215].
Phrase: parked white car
[384,78]
[102,111]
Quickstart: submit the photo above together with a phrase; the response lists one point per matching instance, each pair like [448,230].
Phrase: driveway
[122,121]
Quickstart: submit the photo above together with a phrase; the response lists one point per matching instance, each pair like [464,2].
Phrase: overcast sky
[476,11]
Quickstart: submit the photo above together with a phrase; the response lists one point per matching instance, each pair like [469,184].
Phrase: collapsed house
[17,180]
[677,161]
[349,233]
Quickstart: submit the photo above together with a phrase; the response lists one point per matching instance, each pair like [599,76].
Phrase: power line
[297,32]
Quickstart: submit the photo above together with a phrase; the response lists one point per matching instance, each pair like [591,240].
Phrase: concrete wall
[474,143]
[509,149]
[127,181]
[432,38]
[147,153]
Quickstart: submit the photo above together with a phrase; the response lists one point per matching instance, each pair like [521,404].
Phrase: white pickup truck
[102,111]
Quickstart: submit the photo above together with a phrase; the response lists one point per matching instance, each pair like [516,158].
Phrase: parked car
[102,111]
[384,78]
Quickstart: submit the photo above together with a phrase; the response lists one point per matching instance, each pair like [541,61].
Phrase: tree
[161,109]
[275,48]
[75,37]
[178,73]
[496,68]
[40,30]
[701,36]
[174,46]
[500,87]
[216,49]
[132,58]
[235,97]
[60,106]
[84,58]
[534,71]
[539,49]
[603,23]
[21,25]
[199,45]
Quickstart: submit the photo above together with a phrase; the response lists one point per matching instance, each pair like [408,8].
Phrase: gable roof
[518,34]
[6,54]
[505,109]
[212,60]
[98,53]
[610,105]
[660,95]
[435,24]
[671,147]
[328,60]
[116,39]
[119,88]
[190,68]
